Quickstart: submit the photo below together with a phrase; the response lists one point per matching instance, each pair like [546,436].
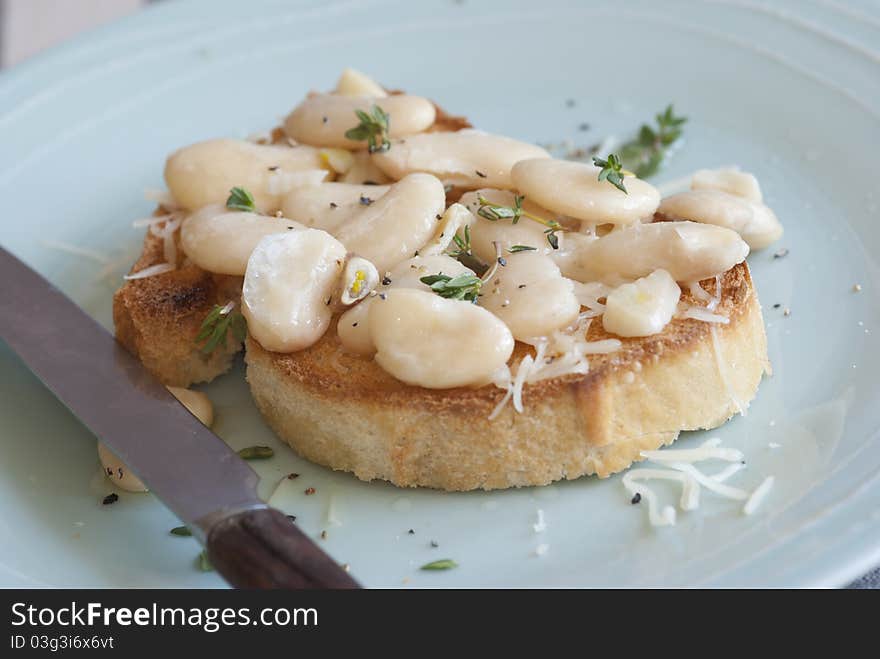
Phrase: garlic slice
[643,307]
[359,278]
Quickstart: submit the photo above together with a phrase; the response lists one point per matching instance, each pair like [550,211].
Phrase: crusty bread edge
[593,424]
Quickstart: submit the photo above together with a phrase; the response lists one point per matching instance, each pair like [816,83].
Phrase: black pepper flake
[110,498]
[310,491]
[415,253]
[521,286]
[292,518]
[480,174]
[435,544]
[584,127]
[411,532]
[110,472]
[273,168]
[324,120]
[383,296]
[777,305]
[292,475]
[386,280]
[365,201]
[354,324]
[502,260]
[439,217]
[333,204]
[636,498]
[329,300]
[780,253]
[323,535]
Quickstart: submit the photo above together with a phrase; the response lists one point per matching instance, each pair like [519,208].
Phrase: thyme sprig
[494,212]
[644,154]
[464,254]
[256,453]
[240,200]
[463,287]
[612,171]
[218,323]
[373,127]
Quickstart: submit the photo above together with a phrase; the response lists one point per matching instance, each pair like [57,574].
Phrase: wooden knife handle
[262,548]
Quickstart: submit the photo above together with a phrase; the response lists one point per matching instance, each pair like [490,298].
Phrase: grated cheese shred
[678,465]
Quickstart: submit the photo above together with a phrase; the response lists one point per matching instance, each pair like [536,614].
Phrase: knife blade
[191,470]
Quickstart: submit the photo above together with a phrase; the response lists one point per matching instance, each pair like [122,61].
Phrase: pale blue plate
[790,91]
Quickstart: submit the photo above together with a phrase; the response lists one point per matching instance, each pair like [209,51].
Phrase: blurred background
[29,26]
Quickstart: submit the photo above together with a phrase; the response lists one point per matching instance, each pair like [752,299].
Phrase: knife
[192,471]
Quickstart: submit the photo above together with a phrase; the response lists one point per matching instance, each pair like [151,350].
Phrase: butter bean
[288,290]
[329,206]
[466,158]
[221,241]
[686,250]
[398,224]
[323,119]
[573,189]
[531,296]
[354,83]
[428,341]
[363,170]
[203,173]
[754,221]
[353,326]
[741,184]
[525,232]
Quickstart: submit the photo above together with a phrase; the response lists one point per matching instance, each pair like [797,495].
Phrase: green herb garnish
[464,254]
[644,154]
[218,322]
[203,562]
[513,249]
[373,128]
[495,212]
[181,531]
[462,287]
[256,453]
[442,564]
[612,171]
[240,200]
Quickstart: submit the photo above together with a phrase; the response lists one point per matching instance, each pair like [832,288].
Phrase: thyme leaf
[256,453]
[612,171]
[373,127]
[645,153]
[442,564]
[462,287]
[240,200]
[218,323]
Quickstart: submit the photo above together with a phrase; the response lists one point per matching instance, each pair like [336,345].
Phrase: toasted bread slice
[158,318]
[345,412]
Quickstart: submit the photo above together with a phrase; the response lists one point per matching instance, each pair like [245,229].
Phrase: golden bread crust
[343,411]
[158,318]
